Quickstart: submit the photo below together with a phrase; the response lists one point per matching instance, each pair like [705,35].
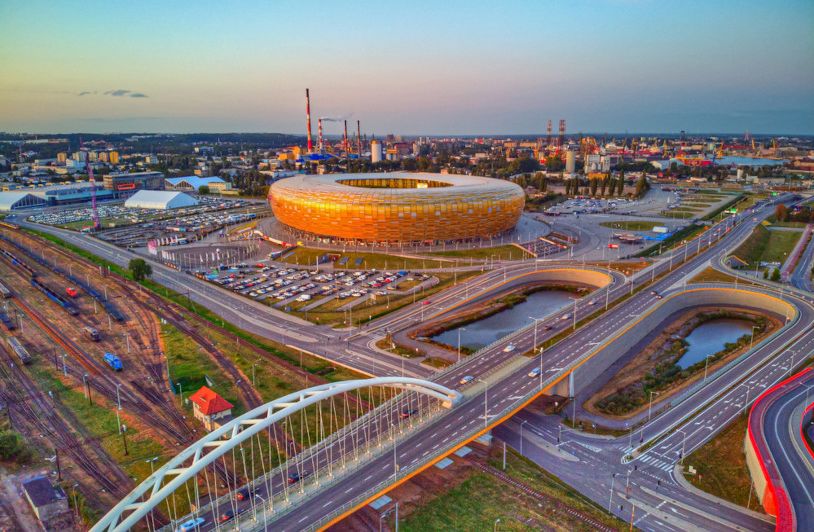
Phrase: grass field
[190,365]
[634,225]
[721,466]
[507,252]
[378,261]
[481,499]
[767,246]
[711,275]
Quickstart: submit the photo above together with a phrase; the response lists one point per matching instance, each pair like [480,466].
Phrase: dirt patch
[654,367]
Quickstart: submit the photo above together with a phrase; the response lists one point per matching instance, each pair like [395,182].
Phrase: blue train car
[113,361]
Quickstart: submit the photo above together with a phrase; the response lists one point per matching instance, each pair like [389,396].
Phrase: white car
[509,348]
[466,380]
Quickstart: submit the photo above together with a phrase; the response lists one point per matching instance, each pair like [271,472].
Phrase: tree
[776,275]
[641,186]
[203,190]
[621,184]
[781,213]
[604,186]
[139,269]
[594,184]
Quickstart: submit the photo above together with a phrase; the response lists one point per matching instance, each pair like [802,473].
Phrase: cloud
[117,92]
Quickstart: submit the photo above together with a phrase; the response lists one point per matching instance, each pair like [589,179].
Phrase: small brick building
[49,502]
[210,408]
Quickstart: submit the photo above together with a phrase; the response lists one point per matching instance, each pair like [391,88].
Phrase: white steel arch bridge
[421,399]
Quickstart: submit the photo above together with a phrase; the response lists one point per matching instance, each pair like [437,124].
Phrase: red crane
[95,217]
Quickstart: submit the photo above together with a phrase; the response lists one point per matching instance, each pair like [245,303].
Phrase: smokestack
[548,133]
[345,140]
[561,138]
[308,119]
[320,145]
[359,138]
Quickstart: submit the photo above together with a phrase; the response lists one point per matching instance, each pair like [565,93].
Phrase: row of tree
[803,214]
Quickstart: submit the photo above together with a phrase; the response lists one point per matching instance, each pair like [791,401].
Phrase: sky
[419,67]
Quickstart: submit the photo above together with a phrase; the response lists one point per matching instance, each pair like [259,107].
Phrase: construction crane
[95,215]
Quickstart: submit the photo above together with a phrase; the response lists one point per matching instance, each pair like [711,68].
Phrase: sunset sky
[452,67]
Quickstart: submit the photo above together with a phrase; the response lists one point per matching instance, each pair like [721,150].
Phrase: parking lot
[119,215]
[300,289]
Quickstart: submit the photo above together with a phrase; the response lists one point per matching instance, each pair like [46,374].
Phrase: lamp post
[610,500]
[536,320]
[494,528]
[683,443]
[650,408]
[485,403]
[575,312]
[521,435]
[706,366]
[752,338]
[459,341]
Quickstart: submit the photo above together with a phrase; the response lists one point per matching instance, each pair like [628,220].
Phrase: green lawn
[506,252]
[378,261]
[768,246]
[190,365]
[632,225]
[721,466]
[481,499]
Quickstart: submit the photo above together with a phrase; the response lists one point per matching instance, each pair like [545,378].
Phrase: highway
[801,276]
[506,388]
[511,392]
[775,423]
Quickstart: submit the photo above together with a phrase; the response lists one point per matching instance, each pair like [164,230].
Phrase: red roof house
[210,408]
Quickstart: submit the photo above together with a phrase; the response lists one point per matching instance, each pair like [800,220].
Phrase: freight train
[69,307]
[4,292]
[19,350]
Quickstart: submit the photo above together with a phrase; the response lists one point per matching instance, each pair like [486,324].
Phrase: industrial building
[397,207]
[160,200]
[192,183]
[129,182]
[52,195]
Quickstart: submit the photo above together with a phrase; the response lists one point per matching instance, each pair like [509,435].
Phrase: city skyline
[456,69]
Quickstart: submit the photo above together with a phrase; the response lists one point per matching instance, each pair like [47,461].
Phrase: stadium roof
[160,199]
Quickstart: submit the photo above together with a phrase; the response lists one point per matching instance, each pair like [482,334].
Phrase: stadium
[397,207]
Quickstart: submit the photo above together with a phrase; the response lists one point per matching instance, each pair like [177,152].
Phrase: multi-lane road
[503,386]
[776,427]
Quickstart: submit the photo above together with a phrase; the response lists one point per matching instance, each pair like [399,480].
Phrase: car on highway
[509,348]
[566,317]
[226,516]
[295,477]
[535,372]
[244,494]
[191,525]
[466,380]
[407,412]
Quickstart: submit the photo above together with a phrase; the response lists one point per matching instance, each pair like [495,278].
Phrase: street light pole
[650,408]
[521,435]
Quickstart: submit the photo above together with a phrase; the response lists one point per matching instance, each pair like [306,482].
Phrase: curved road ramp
[780,460]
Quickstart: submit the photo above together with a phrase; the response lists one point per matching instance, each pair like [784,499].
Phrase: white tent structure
[19,200]
[160,199]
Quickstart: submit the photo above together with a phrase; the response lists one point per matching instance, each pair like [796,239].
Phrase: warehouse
[194,183]
[13,200]
[159,200]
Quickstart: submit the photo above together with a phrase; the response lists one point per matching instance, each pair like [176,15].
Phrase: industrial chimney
[308,120]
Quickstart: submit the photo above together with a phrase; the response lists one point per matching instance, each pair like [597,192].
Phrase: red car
[71,292]
[226,516]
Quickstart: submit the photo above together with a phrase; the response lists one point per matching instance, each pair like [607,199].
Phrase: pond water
[483,332]
[710,337]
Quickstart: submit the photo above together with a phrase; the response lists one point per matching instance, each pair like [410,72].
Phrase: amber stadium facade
[397,207]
